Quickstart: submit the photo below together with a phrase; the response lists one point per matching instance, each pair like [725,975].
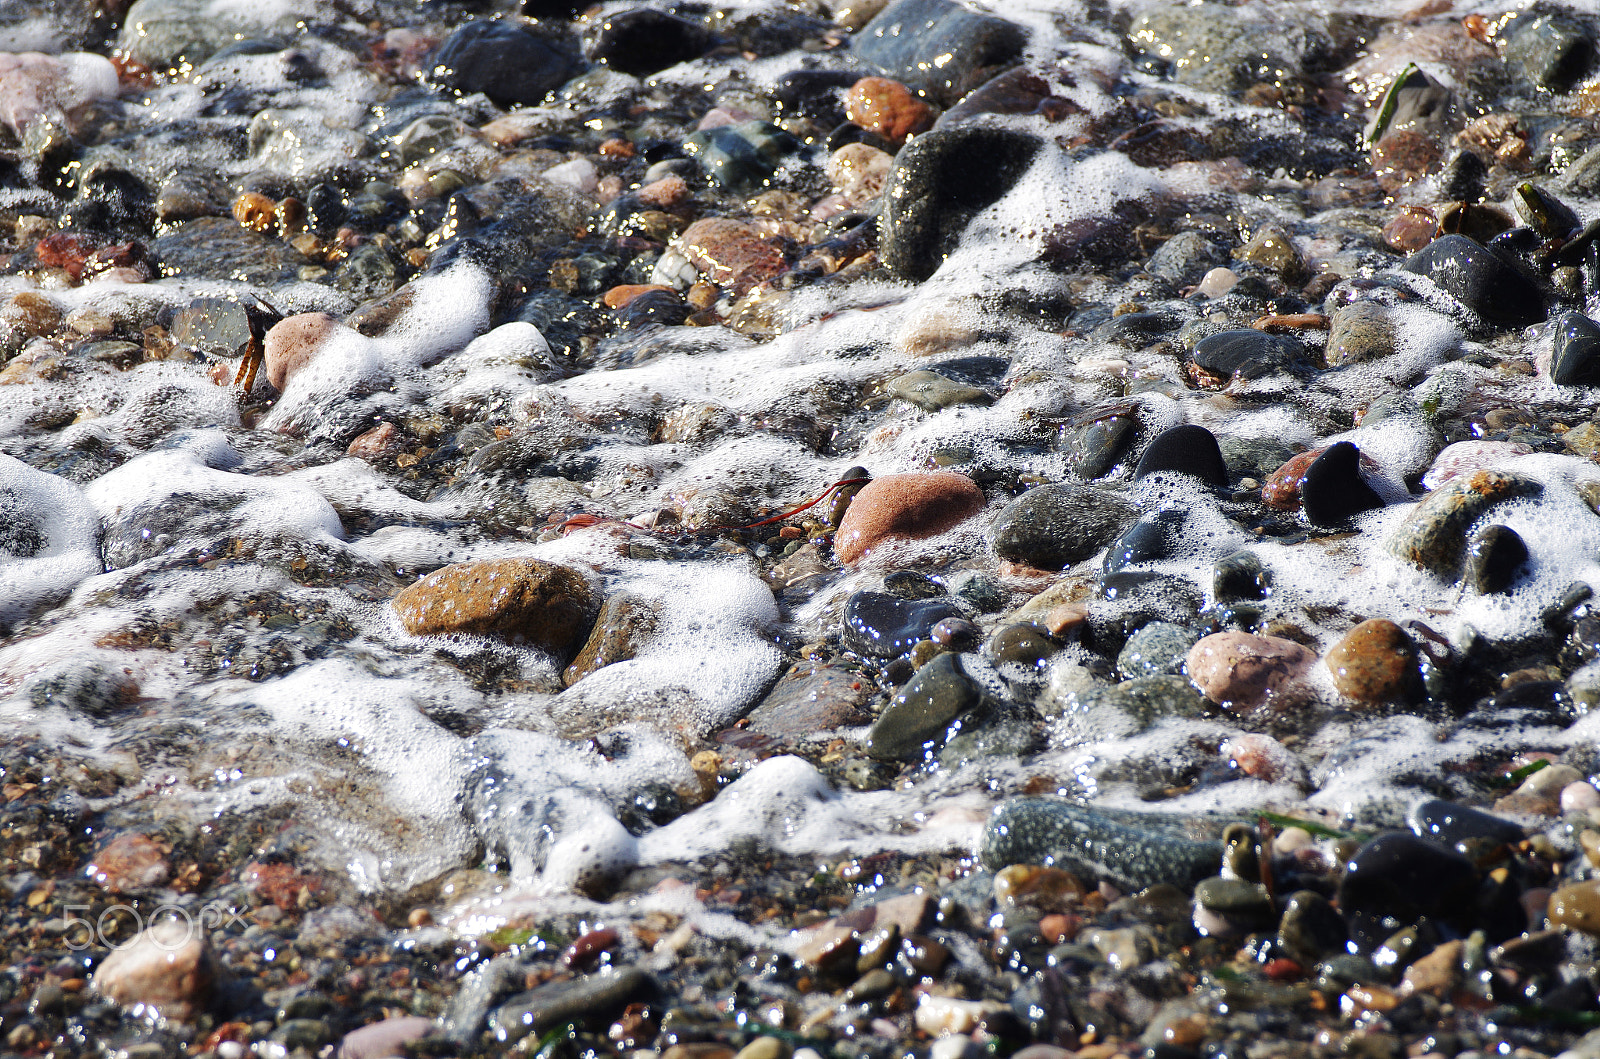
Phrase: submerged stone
[918,717]
[1474,276]
[1093,846]
[1055,526]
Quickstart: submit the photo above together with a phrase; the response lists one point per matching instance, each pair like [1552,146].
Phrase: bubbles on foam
[49,538]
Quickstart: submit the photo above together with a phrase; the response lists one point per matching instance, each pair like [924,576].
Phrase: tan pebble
[1437,973]
[382,440]
[1066,617]
[859,171]
[621,295]
[935,331]
[664,193]
[1292,840]
[130,862]
[900,507]
[293,343]
[1576,797]
[1550,781]
[887,108]
[731,254]
[167,967]
[1240,671]
[1375,662]
[419,917]
[551,607]
[255,211]
[1577,906]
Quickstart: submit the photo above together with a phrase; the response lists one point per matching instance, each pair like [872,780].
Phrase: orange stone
[732,254]
[1374,662]
[900,507]
[887,108]
[548,606]
[621,295]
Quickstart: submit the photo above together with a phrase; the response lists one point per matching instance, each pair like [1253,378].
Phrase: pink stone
[294,342]
[380,1040]
[34,85]
[1464,457]
[664,193]
[899,507]
[166,968]
[1240,671]
[732,254]
[130,862]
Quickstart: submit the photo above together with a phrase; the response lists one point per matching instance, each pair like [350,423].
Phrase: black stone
[848,132]
[652,307]
[938,46]
[941,180]
[1240,576]
[815,94]
[1248,353]
[1054,526]
[1398,879]
[884,626]
[1449,823]
[510,62]
[1481,281]
[1095,448]
[1551,50]
[1135,330]
[1575,358]
[1153,538]
[1333,489]
[1494,555]
[642,41]
[1187,449]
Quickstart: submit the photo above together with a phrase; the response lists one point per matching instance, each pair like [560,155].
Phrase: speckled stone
[1054,526]
[859,171]
[886,107]
[551,607]
[1434,537]
[731,254]
[1093,846]
[901,507]
[1358,332]
[1147,699]
[1158,649]
[1240,670]
[1374,662]
[168,968]
[923,710]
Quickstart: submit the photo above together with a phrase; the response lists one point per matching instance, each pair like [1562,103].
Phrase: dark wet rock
[1233,907]
[884,626]
[1094,449]
[510,62]
[1543,212]
[742,157]
[1359,332]
[939,46]
[1398,879]
[956,633]
[625,624]
[1575,357]
[1333,490]
[941,180]
[1021,644]
[1186,449]
[815,94]
[1158,649]
[1466,271]
[1146,699]
[1310,928]
[1186,258]
[923,711]
[1153,537]
[1248,354]
[84,686]
[1093,846]
[1240,576]
[1495,555]
[912,584]
[1434,536]
[1054,526]
[1551,50]
[1253,457]
[1135,330]
[811,698]
[1272,248]
[221,248]
[568,1000]
[984,591]
[643,41]
[1374,662]
[1459,825]
[1225,51]
[655,307]
[1016,91]
[932,392]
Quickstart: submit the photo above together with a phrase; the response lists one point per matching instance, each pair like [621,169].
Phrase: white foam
[50,541]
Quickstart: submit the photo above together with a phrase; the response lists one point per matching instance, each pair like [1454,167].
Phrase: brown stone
[664,193]
[293,342]
[900,507]
[732,254]
[130,862]
[525,600]
[887,108]
[382,440]
[1437,973]
[1577,906]
[1374,662]
[621,295]
[1240,671]
[625,624]
[166,968]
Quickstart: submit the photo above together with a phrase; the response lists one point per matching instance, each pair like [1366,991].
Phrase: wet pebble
[1575,357]
[1052,527]
[939,46]
[731,254]
[509,61]
[1434,535]
[1186,449]
[643,41]
[905,507]
[1248,354]
[1160,648]
[537,1010]
[529,600]
[1333,490]
[1241,671]
[1400,878]
[1358,332]
[387,1037]
[294,343]
[887,108]
[1465,457]
[1495,556]
[1576,906]
[1092,845]
[933,392]
[883,626]
[168,968]
[1462,268]
[625,624]
[1375,662]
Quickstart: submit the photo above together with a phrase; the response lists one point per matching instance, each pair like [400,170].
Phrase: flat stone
[811,698]
[905,507]
[569,1000]
[920,714]
[731,254]
[1241,671]
[1093,846]
[1434,536]
[1051,527]
[294,342]
[1466,271]
[219,248]
[932,392]
[939,46]
[1358,332]
[526,600]
[380,1040]
[167,968]
[1375,662]
[625,624]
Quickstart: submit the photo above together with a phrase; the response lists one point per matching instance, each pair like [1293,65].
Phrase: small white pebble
[579,173]
[1217,282]
[1577,797]
[1291,840]
[231,1050]
[955,1046]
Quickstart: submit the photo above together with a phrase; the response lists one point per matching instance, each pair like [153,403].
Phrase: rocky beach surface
[846,529]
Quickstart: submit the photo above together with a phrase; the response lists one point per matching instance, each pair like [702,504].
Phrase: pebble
[1576,906]
[939,46]
[932,392]
[811,698]
[293,344]
[916,719]
[34,85]
[1495,556]
[1434,534]
[537,1010]
[1575,356]
[731,254]
[167,968]
[741,157]
[1051,527]
[884,626]
[905,507]
[1242,671]
[625,624]
[1186,449]
[510,61]
[642,41]
[1092,846]
[1248,354]
[1359,332]
[1374,663]
[130,862]
[1437,974]
[526,600]
[1465,457]
[1159,649]
[1463,269]
[1398,878]
[1332,489]
[887,108]
[860,172]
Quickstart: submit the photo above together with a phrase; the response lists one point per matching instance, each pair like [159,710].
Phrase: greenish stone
[922,712]
[932,392]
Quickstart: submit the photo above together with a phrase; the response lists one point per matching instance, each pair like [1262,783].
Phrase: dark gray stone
[566,1001]
[1575,356]
[1186,258]
[221,248]
[1466,271]
[1158,649]
[939,47]
[922,712]
[513,63]
[1054,526]
[643,41]
[1094,846]
[1223,48]
[1248,353]
[1551,51]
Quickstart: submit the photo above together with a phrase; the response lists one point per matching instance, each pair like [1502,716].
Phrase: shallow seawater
[195,585]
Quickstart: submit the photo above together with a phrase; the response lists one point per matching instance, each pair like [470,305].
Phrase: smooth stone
[1541,210]
[221,248]
[1186,258]
[1311,928]
[167,968]
[1281,490]
[1452,824]
[1272,248]
[1146,699]
[1236,906]
[1495,555]
[570,1000]
[932,392]
[1016,91]
[551,607]
[941,180]
[918,717]
[1051,527]
[1253,457]
[642,41]
[1359,332]
[1241,671]
[1436,974]
[1093,449]
[1464,457]
[1227,53]
[1186,449]
[1333,490]
[1093,846]
[1150,538]
[956,633]
[1577,907]
[1136,330]
[1248,353]
[294,342]
[1400,877]
[1160,648]
[741,157]
[938,46]
[912,584]
[1240,576]
[130,862]
[625,624]
[1434,535]
[511,62]
[1022,643]
[379,1040]
[1466,271]
[732,254]
[811,698]
[887,108]
[884,626]
[166,34]
[905,507]
[1551,50]
[1575,356]
[1375,662]
[1583,440]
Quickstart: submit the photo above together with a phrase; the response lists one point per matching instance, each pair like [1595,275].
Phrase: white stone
[166,969]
